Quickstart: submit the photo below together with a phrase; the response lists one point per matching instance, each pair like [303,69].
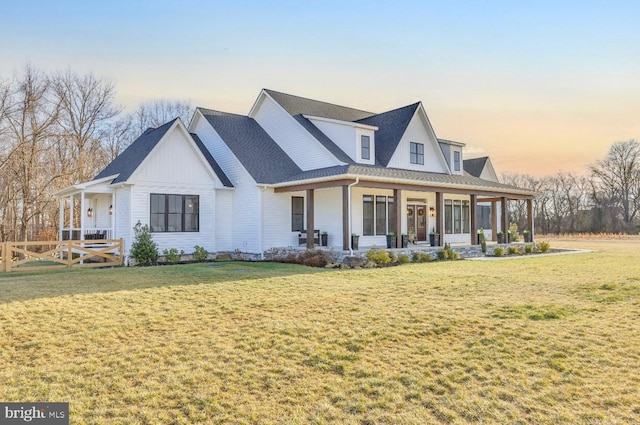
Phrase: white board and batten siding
[289,134]
[417,131]
[176,167]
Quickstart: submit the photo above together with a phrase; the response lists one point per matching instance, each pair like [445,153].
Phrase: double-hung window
[174,213]
[365,147]
[416,153]
[456,160]
[297,213]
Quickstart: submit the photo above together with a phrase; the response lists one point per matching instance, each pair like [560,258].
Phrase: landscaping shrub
[403,259]
[420,257]
[199,254]
[172,255]
[544,246]
[314,258]
[448,253]
[528,248]
[378,256]
[513,229]
[498,251]
[143,249]
[513,249]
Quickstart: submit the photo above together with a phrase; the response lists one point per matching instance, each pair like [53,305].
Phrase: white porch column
[82,213]
[71,216]
[61,219]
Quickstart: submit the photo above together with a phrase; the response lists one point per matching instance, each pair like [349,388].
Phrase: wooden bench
[302,237]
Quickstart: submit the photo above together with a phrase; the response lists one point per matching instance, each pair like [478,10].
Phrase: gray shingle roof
[322,138]
[474,166]
[296,105]
[212,162]
[262,157]
[418,177]
[126,163]
[391,126]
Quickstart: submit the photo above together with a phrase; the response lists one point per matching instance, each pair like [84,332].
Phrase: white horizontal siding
[224,220]
[342,135]
[122,211]
[303,148]
[243,205]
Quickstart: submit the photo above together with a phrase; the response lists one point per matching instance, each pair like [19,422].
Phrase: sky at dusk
[540,86]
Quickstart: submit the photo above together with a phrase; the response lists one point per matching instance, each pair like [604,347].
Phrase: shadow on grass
[23,286]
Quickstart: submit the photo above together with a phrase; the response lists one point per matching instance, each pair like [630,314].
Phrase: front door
[417,221]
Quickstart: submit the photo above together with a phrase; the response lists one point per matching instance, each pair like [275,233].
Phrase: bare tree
[86,108]
[30,117]
[616,179]
[158,112]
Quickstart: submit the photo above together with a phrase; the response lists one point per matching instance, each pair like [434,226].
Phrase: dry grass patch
[524,341]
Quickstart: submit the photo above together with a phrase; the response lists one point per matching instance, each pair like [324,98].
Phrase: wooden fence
[29,256]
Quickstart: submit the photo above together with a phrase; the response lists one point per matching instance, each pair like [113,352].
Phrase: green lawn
[539,340]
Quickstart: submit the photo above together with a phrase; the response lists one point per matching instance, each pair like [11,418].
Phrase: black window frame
[297,213]
[378,215]
[365,147]
[416,153]
[173,209]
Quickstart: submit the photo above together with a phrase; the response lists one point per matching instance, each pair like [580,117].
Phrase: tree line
[604,200]
[62,128]
[58,129]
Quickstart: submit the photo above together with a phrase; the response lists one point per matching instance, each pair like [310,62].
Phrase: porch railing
[89,233]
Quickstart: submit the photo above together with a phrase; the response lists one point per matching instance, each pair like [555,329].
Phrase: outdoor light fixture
[110,209]
[432,212]
[89,212]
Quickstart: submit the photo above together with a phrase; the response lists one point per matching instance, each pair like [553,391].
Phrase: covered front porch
[87,212]
[425,213]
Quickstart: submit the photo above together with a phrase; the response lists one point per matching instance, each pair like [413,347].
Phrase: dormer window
[365,147]
[456,160]
[417,153]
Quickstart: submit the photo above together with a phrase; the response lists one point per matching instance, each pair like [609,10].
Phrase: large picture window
[456,216]
[174,213]
[378,215]
[297,213]
[416,153]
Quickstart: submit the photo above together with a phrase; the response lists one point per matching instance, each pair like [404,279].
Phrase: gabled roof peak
[296,105]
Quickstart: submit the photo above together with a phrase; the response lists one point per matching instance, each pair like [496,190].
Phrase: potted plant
[434,238]
[391,240]
[509,236]
[500,236]
[405,240]
[324,238]
[355,238]
[527,236]
[480,236]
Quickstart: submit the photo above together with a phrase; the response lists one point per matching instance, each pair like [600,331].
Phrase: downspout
[349,209]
